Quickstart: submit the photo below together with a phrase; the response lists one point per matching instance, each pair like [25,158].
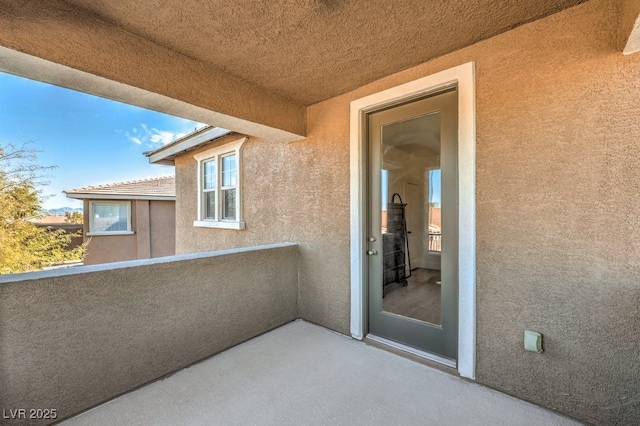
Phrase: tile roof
[161,187]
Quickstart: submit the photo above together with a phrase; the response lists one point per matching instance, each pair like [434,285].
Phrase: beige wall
[153,224]
[162,228]
[292,192]
[558,131]
[74,338]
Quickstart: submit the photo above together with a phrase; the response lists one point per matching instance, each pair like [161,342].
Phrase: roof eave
[168,153]
[88,195]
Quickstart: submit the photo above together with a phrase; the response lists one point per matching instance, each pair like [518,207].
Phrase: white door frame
[464,77]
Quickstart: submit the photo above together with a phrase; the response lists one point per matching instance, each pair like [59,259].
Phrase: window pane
[229,209]
[384,183]
[229,170]
[110,217]
[435,226]
[210,174]
[210,205]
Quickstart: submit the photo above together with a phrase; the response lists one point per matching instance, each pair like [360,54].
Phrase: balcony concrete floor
[302,374]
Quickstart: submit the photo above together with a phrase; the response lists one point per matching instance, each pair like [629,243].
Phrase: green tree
[23,245]
[73,217]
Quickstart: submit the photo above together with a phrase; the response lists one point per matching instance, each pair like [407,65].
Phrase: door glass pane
[410,212]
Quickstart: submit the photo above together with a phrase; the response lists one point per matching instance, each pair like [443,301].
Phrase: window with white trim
[109,217]
[219,197]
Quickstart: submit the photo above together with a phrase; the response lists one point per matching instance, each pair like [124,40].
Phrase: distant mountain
[62,210]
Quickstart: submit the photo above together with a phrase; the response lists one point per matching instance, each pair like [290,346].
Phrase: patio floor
[303,374]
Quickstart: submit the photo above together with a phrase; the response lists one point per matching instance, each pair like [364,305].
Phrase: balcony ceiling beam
[70,47]
[630,26]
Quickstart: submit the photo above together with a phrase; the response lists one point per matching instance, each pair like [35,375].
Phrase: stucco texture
[162,228]
[287,195]
[72,341]
[557,235]
[557,189]
[306,50]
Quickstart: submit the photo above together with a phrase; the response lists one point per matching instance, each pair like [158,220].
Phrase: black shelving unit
[394,245]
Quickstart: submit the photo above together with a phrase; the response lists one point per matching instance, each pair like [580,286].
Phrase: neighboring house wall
[109,248]
[147,218]
[558,130]
[162,228]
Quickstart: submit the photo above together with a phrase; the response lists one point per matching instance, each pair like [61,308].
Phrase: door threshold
[413,351]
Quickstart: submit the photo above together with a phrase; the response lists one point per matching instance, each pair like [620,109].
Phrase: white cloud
[152,137]
[164,137]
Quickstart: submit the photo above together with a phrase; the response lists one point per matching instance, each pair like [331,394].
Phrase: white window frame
[216,154]
[92,203]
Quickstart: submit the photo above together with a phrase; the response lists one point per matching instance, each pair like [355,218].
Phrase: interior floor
[420,299]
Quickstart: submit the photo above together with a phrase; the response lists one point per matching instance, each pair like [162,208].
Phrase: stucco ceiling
[310,50]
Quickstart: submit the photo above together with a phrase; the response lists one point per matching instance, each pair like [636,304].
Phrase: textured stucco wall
[557,190]
[162,227]
[71,340]
[557,180]
[291,192]
[142,228]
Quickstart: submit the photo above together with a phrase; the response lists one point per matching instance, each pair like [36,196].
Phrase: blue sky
[92,140]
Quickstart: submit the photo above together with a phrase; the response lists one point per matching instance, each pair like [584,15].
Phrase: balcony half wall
[72,339]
